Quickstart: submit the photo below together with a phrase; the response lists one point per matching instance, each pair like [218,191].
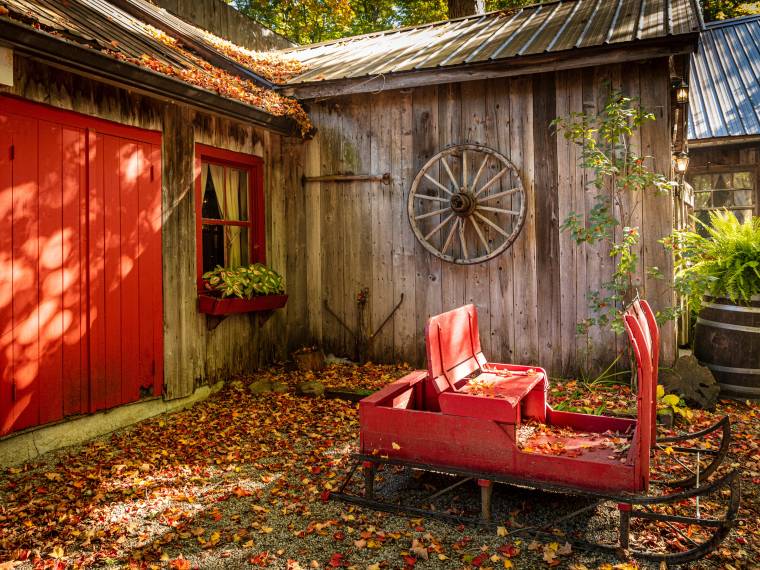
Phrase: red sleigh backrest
[648,323]
[452,343]
[642,344]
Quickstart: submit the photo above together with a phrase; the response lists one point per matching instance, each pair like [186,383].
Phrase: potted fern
[241,290]
[719,273]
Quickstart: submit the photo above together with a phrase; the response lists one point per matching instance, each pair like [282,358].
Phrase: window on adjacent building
[732,190]
[230,216]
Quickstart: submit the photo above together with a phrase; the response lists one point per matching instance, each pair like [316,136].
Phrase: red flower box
[232,305]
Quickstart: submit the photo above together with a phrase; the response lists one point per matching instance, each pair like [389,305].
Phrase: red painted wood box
[232,305]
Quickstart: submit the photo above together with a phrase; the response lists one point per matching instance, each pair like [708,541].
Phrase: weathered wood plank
[425,143]
[405,330]
[501,269]
[547,225]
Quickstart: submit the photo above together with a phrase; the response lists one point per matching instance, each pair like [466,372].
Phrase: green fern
[723,263]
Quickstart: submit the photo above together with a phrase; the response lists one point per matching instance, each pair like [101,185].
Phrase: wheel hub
[462,203]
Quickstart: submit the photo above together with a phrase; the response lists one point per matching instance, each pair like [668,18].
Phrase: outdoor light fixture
[682,92]
[681,161]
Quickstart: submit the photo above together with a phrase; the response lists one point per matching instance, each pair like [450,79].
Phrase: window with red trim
[229,209]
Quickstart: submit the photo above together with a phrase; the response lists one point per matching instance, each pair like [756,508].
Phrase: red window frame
[256,218]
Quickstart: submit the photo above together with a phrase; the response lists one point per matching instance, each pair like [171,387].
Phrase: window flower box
[219,306]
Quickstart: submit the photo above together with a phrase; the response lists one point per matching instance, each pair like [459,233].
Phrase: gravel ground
[240,482]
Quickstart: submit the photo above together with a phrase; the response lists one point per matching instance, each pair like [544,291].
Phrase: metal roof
[548,28]
[725,81]
[104,28]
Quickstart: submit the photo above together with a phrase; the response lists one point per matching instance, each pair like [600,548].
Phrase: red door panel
[125,271]
[81,319]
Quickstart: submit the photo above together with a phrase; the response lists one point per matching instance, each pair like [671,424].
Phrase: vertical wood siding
[193,355]
[531,297]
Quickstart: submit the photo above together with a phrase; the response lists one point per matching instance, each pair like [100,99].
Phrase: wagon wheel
[467,204]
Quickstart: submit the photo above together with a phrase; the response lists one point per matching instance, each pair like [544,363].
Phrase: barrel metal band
[727,326]
[732,369]
[747,390]
[737,308]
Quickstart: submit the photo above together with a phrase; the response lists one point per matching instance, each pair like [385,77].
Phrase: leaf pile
[366,377]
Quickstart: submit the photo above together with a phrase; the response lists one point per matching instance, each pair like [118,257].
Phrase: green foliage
[618,173]
[673,403]
[310,21]
[244,282]
[725,262]
[723,9]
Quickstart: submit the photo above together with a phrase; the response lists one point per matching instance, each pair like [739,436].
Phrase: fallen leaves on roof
[275,67]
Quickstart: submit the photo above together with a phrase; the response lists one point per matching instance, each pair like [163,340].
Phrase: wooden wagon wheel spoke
[485,220]
[432,198]
[476,225]
[498,210]
[491,182]
[439,226]
[479,172]
[498,195]
[441,186]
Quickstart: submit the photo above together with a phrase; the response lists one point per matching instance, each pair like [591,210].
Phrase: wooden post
[486,490]
[625,523]
[369,479]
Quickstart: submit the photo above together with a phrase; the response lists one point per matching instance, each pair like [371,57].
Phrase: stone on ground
[692,381]
[260,387]
[312,388]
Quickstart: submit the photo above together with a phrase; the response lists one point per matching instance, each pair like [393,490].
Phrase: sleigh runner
[490,422]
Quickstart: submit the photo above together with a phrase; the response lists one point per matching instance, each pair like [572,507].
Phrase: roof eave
[724,140]
[91,63]
[521,65]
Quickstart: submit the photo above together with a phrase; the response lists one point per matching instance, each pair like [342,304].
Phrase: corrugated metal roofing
[551,27]
[724,97]
[99,25]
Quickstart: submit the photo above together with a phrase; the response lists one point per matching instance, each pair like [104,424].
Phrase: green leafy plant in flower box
[244,282]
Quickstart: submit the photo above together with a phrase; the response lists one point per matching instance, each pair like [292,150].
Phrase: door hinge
[13,151]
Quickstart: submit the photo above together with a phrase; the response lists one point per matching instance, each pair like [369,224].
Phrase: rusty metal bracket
[384,178]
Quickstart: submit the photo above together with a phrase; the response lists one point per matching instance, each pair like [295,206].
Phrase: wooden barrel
[727,341]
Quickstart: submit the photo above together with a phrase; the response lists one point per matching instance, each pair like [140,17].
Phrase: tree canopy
[311,21]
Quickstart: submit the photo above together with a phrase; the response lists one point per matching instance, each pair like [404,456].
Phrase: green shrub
[723,263]
[244,282]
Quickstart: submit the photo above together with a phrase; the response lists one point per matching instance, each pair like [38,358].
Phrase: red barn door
[57,294]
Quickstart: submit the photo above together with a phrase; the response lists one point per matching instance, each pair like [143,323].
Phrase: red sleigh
[490,422]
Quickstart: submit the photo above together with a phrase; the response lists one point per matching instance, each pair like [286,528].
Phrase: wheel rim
[467,204]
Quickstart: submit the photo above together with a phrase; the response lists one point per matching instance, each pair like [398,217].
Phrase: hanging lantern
[682,92]
[681,161]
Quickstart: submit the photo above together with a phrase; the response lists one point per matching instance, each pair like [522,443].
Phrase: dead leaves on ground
[208,481]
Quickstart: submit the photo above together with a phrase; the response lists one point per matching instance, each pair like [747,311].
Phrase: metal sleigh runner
[467,419]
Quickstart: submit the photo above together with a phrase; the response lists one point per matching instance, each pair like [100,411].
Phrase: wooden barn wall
[529,298]
[194,355]
[717,157]
[223,20]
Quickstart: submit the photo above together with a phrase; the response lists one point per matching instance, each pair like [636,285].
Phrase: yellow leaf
[670,400]
[373,567]
[660,391]
[395,446]
[501,531]
[668,450]
[57,552]
[508,564]
[442,557]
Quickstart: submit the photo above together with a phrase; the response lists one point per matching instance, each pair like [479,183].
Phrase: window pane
[723,198]
[743,197]
[236,246]
[703,200]
[212,185]
[742,180]
[237,194]
[701,182]
[213,247]
[723,180]
[743,215]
